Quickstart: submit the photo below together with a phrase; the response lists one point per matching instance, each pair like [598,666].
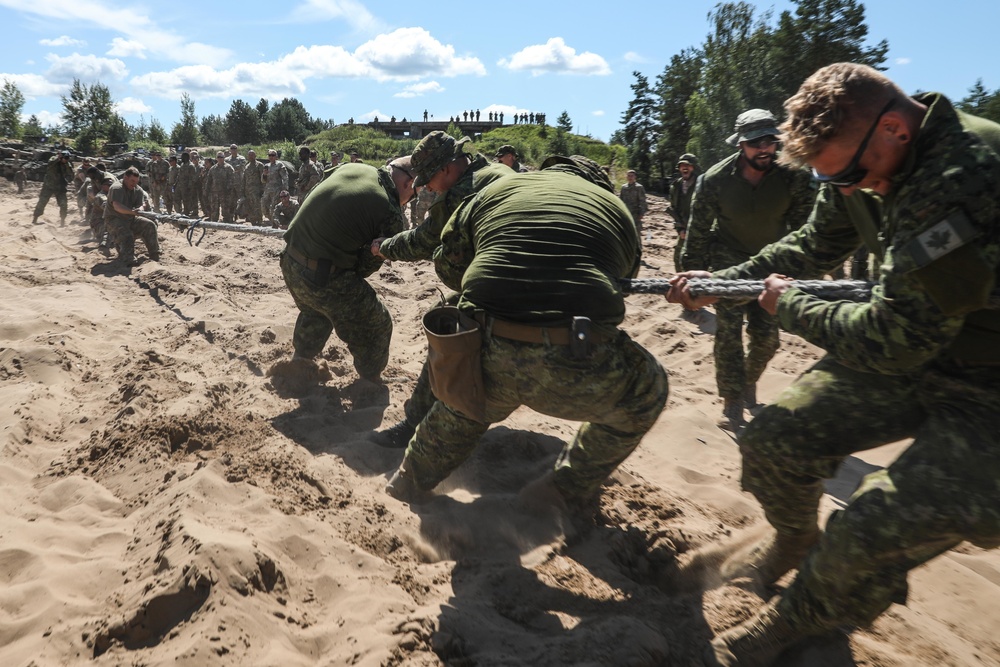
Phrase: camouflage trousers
[122,233]
[345,304]
[43,199]
[220,200]
[156,191]
[945,488]
[735,370]
[267,201]
[251,203]
[168,199]
[618,392]
[187,201]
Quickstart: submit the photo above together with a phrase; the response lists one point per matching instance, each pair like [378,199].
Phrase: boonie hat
[688,158]
[506,149]
[754,124]
[433,153]
[582,166]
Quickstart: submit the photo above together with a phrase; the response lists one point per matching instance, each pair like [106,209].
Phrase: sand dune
[166,503]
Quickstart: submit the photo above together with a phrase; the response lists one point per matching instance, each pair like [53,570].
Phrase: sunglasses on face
[852,174]
[763,142]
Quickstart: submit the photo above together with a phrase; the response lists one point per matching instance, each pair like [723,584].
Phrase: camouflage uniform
[615,387]
[123,229]
[277,180]
[309,177]
[420,205]
[221,181]
[432,153]
[187,189]
[238,163]
[168,192]
[20,178]
[332,233]
[730,221]
[253,188]
[96,219]
[204,186]
[58,174]
[284,212]
[634,197]
[919,360]
[158,170]
[680,195]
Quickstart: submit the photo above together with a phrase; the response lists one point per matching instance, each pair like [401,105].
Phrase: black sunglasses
[763,142]
[852,174]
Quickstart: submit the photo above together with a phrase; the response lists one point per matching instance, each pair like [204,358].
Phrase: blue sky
[347,58]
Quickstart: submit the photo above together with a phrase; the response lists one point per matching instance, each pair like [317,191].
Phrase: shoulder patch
[950,234]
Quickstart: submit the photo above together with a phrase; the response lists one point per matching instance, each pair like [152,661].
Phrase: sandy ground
[165,504]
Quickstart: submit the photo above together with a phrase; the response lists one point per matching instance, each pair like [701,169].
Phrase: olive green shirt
[540,248]
[731,219]
[341,217]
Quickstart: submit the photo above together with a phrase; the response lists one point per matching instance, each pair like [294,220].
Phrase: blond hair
[838,100]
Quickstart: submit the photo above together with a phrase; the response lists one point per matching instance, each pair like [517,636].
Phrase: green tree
[157,134]
[32,127]
[185,132]
[818,33]
[263,106]
[118,131]
[243,125]
[288,120]
[11,104]
[213,130]
[981,102]
[88,109]
[674,87]
[564,122]
[641,128]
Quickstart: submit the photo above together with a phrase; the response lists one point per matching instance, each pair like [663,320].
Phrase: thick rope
[847,290]
[190,224]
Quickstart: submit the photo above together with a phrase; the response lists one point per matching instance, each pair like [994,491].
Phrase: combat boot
[732,410]
[749,397]
[394,437]
[770,558]
[756,642]
[406,490]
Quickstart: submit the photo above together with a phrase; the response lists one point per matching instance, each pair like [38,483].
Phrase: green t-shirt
[540,248]
[340,218]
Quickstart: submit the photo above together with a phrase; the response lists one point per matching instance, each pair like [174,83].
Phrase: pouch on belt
[454,364]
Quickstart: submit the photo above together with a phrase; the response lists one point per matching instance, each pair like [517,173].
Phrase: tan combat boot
[756,642]
[769,558]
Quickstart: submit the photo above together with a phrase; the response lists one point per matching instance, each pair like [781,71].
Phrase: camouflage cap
[582,166]
[108,180]
[220,154]
[688,158]
[232,146]
[506,149]
[754,124]
[433,153]
[283,194]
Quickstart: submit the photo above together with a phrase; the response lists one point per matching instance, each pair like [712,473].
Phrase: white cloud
[555,56]
[403,55]
[35,85]
[599,112]
[354,13]
[132,105]
[127,48]
[420,89]
[126,21]
[410,53]
[903,61]
[45,118]
[248,79]
[63,40]
[87,68]
[634,57]
[372,115]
